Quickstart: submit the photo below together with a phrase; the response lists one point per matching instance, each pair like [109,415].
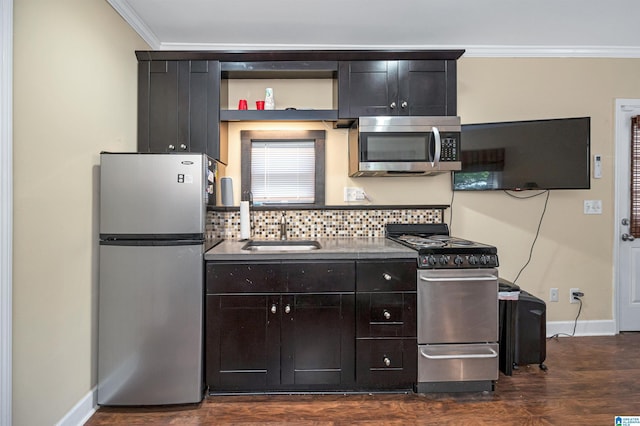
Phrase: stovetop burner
[437,249]
[419,242]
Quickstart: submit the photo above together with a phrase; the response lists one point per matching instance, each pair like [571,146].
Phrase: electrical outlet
[553,295]
[571,298]
[353,194]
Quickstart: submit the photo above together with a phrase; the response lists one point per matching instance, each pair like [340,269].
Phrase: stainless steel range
[457,284]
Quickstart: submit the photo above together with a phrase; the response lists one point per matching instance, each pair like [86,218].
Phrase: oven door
[457,305]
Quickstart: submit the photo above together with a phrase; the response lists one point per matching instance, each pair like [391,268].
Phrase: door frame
[6,208]
[621,141]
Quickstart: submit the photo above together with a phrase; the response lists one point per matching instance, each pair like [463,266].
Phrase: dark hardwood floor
[589,381]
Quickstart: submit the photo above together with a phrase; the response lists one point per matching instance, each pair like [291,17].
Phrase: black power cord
[451,212]
[576,295]
[546,201]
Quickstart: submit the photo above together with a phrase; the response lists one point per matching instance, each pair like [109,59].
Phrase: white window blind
[283,171]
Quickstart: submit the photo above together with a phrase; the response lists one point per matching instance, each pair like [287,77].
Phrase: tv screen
[519,155]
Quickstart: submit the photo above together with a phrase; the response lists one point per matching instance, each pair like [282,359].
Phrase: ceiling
[489,28]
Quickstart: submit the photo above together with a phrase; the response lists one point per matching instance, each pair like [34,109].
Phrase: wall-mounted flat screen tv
[520,155]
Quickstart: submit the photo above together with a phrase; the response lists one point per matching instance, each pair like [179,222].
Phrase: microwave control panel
[450,148]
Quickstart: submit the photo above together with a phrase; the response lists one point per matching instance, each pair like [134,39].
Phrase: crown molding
[133,19]
[502,51]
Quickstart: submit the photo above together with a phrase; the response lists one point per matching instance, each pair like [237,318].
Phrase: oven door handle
[492,354]
[440,279]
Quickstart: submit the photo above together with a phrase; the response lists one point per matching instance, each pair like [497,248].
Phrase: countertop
[331,248]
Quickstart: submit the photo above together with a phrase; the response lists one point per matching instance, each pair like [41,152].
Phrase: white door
[627,249]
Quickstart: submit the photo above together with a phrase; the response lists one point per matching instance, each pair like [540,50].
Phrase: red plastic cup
[260,105]
[242,104]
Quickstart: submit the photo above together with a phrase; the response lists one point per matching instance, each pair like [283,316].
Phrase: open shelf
[283,115]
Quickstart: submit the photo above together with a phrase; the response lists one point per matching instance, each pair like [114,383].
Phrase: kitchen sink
[282,245]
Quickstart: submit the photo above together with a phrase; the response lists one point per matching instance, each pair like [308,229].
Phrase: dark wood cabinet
[178,107]
[280,326]
[386,324]
[403,87]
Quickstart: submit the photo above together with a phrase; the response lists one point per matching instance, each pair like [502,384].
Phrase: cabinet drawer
[245,278]
[458,363]
[386,314]
[386,363]
[386,276]
[319,277]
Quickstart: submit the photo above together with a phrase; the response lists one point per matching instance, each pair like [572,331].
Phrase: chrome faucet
[283,226]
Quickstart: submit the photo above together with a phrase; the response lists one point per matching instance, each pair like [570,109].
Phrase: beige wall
[74,95]
[573,249]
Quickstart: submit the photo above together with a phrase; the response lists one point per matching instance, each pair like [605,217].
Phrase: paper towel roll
[245,229]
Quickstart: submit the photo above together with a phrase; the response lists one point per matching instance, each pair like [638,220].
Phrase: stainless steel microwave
[404,146]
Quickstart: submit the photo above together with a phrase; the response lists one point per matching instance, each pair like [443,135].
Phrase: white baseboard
[583,328]
[82,411]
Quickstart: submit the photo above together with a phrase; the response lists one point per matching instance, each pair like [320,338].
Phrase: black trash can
[531,331]
[522,329]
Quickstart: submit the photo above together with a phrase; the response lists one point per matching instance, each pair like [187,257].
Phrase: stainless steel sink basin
[282,245]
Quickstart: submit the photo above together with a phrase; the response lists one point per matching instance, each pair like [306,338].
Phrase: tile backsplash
[320,223]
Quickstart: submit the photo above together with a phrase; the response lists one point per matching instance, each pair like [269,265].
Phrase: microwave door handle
[436,136]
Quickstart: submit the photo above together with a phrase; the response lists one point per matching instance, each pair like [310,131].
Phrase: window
[283,167]
[634,228]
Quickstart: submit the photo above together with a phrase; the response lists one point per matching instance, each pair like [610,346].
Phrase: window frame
[317,136]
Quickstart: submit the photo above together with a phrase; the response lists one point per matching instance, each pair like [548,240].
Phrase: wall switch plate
[553,295]
[353,194]
[592,206]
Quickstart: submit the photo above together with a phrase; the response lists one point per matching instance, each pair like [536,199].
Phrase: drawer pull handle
[442,279]
[386,276]
[274,309]
[492,354]
[287,309]
[386,361]
[386,314]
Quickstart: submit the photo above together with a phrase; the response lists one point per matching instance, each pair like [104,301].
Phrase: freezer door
[153,194]
[150,323]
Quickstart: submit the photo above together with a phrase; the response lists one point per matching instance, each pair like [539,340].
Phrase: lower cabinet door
[318,341]
[387,363]
[280,342]
[242,342]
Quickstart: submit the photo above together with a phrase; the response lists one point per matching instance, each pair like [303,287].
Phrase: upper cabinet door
[367,88]
[178,107]
[427,88]
[407,87]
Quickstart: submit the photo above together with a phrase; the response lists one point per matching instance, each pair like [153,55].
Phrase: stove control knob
[458,260]
[444,260]
[473,260]
[432,260]
[484,260]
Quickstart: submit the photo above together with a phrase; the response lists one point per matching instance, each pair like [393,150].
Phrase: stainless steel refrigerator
[152,240]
